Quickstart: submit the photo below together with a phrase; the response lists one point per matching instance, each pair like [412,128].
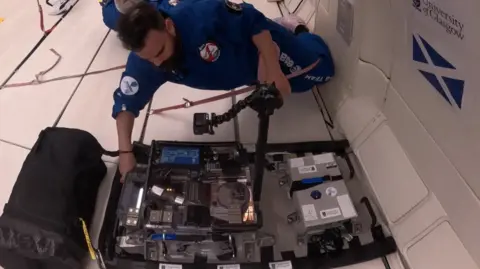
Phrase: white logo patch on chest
[209,52]
[129,85]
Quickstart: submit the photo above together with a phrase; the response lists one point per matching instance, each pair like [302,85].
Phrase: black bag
[57,185]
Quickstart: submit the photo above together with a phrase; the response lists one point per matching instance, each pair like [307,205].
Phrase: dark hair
[134,25]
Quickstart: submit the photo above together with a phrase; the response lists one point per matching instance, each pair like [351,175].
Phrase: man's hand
[126,164]
[281,83]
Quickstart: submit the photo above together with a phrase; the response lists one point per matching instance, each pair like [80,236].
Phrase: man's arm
[138,84]
[243,21]
[125,122]
[268,53]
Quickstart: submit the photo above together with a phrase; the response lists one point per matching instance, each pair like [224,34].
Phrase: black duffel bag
[57,186]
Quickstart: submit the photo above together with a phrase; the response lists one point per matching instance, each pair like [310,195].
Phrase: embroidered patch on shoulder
[233,7]
[209,52]
[173,2]
[129,85]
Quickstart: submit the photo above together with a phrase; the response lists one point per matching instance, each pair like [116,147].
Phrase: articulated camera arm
[264,100]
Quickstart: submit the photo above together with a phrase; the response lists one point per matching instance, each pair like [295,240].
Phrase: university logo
[442,17]
[451,89]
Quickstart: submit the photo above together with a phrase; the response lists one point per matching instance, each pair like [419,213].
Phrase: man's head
[149,34]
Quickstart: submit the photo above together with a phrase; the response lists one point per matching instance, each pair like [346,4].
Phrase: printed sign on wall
[451,89]
[439,46]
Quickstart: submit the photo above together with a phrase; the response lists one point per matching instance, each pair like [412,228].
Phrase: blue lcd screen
[180,155]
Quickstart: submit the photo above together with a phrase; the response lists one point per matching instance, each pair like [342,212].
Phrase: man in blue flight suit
[209,44]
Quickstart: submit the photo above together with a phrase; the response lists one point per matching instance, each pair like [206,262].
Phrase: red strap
[42,24]
[189,104]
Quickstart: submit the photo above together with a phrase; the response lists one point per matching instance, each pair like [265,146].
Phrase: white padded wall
[440,249]
[437,172]
[345,54]
[452,123]
[377,35]
[418,149]
[365,100]
[390,173]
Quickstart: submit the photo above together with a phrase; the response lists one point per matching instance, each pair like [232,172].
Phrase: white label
[307,169]
[323,158]
[281,265]
[157,190]
[330,213]
[229,266]
[346,205]
[179,200]
[309,212]
[169,266]
[331,191]
[296,162]
[129,86]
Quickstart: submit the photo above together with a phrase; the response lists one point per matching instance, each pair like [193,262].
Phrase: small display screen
[180,155]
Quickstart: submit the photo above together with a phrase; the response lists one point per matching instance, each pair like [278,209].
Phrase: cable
[231,113]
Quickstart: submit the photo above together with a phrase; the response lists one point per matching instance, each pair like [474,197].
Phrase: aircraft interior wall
[405,96]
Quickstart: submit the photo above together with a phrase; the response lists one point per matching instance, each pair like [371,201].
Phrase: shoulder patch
[233,7]
[173,2]
[129,85]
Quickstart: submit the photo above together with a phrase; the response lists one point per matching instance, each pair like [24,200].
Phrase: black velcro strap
[200,261]
[266,254]
[288,255]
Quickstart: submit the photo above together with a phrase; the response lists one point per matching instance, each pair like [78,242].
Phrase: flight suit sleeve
[139,83]
[243,20]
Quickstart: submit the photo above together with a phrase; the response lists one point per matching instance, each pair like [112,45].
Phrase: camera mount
[265,99]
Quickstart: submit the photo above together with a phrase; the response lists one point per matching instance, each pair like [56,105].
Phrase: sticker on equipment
[129,86]
[179,200]
[309,212]
[307,169]
[280,265]
[330,213]
[169,266]
[229,266]
[296,162]
[331,191]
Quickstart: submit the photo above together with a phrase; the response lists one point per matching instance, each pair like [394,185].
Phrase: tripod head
[264,100]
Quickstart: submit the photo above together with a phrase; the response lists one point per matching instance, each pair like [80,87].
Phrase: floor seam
[34,49]
[80,82]
[14,144]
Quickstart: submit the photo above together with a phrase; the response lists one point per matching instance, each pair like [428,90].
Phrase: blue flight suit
[219,54]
